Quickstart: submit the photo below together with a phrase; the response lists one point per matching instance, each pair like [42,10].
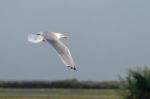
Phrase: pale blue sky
[106,37]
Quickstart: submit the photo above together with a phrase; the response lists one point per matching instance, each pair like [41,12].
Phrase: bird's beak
[43,40]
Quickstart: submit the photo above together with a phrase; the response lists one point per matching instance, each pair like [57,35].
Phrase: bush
[137,84]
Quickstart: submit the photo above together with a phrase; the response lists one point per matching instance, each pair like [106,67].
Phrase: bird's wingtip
[73,68]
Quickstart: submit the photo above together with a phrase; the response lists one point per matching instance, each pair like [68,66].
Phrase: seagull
[54,39]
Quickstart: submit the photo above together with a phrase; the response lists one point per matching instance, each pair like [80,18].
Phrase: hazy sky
[106,37]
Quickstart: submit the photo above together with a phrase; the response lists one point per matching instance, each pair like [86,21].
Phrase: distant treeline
[70,84]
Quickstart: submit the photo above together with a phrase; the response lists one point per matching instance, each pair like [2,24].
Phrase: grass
[61,91]
[7,97]
[61,94]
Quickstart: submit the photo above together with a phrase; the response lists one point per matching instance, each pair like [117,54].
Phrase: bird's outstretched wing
[63,53]
[35,38]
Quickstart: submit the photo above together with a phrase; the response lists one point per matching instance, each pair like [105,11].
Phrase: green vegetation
[62,97]
[61,94]
[69,84]
[62,91]
[137,84]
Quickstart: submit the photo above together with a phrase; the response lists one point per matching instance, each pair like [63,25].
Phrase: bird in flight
[55,40]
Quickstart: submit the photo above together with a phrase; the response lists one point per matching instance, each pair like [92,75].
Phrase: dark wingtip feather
[73,68]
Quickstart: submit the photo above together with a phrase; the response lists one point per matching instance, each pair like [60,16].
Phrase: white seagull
[55,40]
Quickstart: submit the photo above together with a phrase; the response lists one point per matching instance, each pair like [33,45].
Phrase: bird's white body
[55,40]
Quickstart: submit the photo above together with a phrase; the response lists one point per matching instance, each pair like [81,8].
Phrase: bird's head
[36,38]
[41,34]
